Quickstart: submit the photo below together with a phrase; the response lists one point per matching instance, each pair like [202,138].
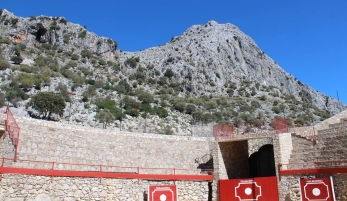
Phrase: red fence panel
[223,131]
[281,125]
[316,189]
[252,189]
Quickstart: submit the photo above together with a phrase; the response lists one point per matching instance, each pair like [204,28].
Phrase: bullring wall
[40,188]
[50,141]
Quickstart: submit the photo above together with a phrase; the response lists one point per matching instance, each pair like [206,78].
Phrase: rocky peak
[213,55]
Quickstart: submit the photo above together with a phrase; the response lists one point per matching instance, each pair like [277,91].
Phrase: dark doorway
[262,163]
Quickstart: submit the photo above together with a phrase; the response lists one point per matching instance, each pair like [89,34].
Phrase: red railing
[314,167]
[11,127]
[45,168]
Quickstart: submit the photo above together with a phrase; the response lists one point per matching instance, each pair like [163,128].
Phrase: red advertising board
[162,193]
[318,189]
[253,189]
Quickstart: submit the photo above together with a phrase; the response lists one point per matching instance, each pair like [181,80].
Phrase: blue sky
[307,38]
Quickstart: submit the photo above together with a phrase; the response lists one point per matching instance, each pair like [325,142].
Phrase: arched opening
[262,163]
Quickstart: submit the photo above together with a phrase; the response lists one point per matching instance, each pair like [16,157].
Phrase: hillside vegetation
[212,73]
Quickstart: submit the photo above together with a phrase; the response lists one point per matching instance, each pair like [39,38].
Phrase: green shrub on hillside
[63,20]
[66,38]
[160,111]
[163,80]
[132,112]
[15,94]
[130,103]
[26,68]
[82,34]
[144,97]
[75,57]
[54,26]
[4,64]
[132,62]
[276,109]
[190,109]
[86,54]
[180,106]
[123,87]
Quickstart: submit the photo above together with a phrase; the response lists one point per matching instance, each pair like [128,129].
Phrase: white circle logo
[316,192]
[162,197]
[248,191]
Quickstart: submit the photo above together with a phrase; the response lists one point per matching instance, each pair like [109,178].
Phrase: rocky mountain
[210,73]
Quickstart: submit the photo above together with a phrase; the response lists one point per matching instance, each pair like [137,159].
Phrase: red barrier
[281,125]
[223,132]
[317,167]
[316,189]
[58,169]
[251,189]
[13,129]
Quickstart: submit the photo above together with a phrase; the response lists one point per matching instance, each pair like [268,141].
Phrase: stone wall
[255,144]
[40,188]
[50,141]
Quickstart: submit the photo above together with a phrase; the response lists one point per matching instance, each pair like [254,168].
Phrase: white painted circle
[316,191]
[162,197]
[248,191]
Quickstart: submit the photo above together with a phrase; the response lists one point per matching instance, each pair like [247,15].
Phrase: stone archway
[262,162]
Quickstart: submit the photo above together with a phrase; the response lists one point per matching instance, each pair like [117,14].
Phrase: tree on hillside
[105,117]
[47,103]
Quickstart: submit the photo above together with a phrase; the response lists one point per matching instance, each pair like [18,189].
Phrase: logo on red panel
[248,190]
[316,189]
[162,193]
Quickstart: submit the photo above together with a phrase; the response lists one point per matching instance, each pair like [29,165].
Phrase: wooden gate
[252,189]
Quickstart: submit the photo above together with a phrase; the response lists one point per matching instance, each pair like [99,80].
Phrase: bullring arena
[51,161]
